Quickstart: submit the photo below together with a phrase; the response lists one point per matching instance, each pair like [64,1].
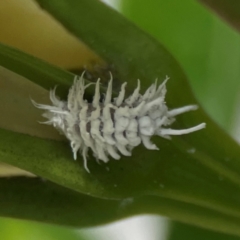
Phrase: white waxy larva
[114,126]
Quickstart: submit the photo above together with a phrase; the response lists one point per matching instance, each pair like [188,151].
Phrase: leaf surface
[204,181]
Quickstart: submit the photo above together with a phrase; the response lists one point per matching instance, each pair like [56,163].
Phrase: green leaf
[36,70]
[119,42]
[205,182]
[27,198]
[124,53]
[227,9]
[180,231]
[172,173]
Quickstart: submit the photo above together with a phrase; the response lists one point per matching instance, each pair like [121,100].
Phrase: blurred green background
[206,47]
[209,52]
[11,229]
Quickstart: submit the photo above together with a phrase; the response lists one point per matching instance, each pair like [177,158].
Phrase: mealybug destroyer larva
[113,126]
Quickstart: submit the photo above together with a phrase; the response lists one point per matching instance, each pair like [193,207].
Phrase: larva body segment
[113,127]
